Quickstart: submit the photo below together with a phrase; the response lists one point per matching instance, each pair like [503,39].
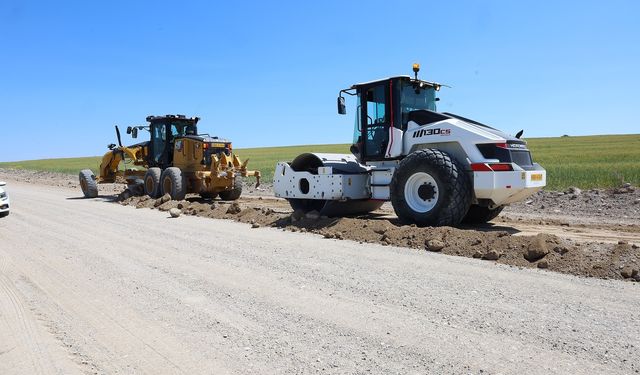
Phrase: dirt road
[594,233]
[93,287]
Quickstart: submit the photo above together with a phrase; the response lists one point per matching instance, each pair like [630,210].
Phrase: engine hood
[141,144]
[206,138]
[484,127]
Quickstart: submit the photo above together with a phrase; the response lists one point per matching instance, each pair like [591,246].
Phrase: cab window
[376,105]
[376,129]
[412,99]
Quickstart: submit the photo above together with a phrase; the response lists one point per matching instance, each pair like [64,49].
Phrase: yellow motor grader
[177,160]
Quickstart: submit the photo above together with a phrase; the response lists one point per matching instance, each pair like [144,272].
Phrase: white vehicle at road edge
[4,200]
[436,168]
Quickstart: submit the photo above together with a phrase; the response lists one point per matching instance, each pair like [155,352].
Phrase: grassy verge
[588,162]
[65,165]
[585,162]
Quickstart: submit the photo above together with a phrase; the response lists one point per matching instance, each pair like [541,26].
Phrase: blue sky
[268,73]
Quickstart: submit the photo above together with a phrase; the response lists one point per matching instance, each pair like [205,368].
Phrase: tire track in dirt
[24,348]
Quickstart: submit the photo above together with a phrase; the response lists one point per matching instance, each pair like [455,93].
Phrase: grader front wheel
[88,183]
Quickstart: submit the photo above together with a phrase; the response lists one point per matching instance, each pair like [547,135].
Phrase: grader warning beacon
[436,168]
[177,159]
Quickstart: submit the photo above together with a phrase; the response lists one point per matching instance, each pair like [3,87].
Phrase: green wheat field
[586,162]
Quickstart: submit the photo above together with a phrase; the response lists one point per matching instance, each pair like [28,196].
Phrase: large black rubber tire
[136,187]
[4,214]
[152,182]
[479,214]
[173,183]
[233,194]
[88,183]
[454,189]
[208,195]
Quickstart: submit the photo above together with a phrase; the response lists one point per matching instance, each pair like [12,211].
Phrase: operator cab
[383,113]
[164,130]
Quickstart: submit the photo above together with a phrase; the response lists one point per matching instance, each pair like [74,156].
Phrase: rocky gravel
[620,205]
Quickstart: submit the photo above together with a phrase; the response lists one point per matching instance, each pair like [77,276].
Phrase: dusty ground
[88,286]
[593,233]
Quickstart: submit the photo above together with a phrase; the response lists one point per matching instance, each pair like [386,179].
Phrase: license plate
[536,177]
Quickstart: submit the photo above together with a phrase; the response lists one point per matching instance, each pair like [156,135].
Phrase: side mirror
[128,129]
[342,107]
[134,133]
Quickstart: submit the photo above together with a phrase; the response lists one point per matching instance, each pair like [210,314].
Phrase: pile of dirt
[57,179]
[621,204]
[607,261]
[40,177]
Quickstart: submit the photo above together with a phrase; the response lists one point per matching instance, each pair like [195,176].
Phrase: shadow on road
[489,227]
[104,198]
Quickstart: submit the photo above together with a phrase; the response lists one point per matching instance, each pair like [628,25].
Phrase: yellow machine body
[207,165]
[110,165]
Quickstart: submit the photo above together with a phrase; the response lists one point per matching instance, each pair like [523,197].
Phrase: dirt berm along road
[88,286]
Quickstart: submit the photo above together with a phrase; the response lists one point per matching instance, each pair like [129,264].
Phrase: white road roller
[436,168]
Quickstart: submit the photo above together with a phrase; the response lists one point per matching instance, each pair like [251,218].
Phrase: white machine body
[458,138]
[396,117]
[4,200]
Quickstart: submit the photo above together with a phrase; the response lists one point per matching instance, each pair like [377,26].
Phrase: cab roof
[403,78]
[152,118]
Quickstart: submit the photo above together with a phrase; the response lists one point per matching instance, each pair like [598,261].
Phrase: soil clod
[434,245]
[175,212]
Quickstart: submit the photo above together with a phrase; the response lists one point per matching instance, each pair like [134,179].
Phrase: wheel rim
[148,184]
[166,185]
[421,192]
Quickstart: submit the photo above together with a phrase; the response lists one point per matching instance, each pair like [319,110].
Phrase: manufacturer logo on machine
[432,131]
[517,145]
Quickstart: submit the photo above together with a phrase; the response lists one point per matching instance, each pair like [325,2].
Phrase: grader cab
[177,160]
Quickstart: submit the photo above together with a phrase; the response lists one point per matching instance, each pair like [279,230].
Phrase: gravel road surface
[93,287]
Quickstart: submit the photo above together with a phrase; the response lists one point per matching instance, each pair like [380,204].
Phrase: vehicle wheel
[430,188]
[208,195]
[233,194]
[136,187]
[4,214]
[479,214]
[173,183]
[88,183]
[152,182]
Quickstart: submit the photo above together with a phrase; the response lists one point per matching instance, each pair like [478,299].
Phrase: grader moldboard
[177,159]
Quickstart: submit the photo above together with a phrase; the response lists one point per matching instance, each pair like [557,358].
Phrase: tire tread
[89,178]
[234,193]
[178,184]
[456,186]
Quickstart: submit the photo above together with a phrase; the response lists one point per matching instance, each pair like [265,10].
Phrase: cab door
[375,120]
[159,155]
